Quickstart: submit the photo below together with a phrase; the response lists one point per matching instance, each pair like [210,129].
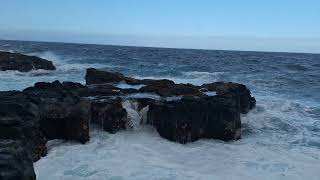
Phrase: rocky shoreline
[180,112]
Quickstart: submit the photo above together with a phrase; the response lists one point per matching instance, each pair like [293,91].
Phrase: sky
[263,25]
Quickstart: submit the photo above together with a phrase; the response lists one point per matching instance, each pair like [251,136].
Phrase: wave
[49,55]
[192,77]
[296,67]
[282,119]
[201,73]
[145,155]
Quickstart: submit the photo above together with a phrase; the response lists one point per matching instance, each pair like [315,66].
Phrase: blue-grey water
[281,136]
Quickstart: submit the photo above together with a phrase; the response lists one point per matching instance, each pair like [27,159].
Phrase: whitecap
[191,77]
[128,86]
[210,93]
[144,95]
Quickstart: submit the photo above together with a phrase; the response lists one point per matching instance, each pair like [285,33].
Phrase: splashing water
[281,136]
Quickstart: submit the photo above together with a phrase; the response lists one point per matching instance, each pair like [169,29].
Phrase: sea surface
[281,136]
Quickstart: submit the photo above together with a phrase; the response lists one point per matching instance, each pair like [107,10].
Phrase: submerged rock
[23,63]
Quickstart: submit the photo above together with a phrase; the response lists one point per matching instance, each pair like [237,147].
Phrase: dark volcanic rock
[195,116]
[103,90]
[64,115]
[239,91]
[57,89]
[40,148]
[30,118]
[66,118]
[190,119]
[180,112]
[19,118]
[168,88]
[15,161]
[23,63]
[18,115]
[109,114]
[94,76]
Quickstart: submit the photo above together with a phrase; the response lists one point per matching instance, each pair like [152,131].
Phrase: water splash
[135,116]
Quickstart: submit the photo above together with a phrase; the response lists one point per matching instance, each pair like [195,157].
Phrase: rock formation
[23,63]
[180,112]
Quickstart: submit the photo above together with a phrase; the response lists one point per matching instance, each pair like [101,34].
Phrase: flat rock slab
[23,63]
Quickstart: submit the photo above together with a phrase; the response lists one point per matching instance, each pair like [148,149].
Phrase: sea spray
[135,117]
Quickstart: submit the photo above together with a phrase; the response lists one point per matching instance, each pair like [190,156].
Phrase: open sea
[281,136]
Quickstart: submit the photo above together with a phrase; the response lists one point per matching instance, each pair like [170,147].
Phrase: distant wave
[296,67]
[200,73]
[192,77]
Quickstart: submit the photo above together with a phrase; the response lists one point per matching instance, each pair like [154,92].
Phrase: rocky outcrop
[94,76]
[15,161]
[30,118]
[238,91]
[180,112]
[63,113]
[190,119]
[183,112]
[40,145]
[23,63]
[109,114]
[19,118]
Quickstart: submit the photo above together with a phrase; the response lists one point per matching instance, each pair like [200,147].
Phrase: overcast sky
[269,25]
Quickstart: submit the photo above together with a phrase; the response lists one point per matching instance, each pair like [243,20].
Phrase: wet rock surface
[23,63]
[109,114]
[15,161]
[19,118]
[190,119]
[63,113]
[180,112]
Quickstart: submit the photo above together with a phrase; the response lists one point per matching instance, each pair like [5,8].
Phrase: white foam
[49,55]
[144,95]
[133,116]
[128,86]
[173,98]
[192,77]
[144,155]
[275,145]
[197,73]
[210,93]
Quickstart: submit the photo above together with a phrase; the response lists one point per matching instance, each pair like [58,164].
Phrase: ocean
[280,137]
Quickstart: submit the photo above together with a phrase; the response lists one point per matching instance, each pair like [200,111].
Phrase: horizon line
[159,47]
